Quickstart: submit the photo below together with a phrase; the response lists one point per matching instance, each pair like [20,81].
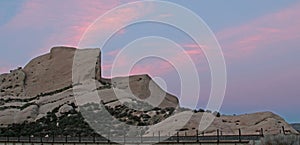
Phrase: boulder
[65,109]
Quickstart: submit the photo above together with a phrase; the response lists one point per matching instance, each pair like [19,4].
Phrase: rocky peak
[45,73]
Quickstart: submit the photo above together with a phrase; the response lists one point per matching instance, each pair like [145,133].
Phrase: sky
[259,39]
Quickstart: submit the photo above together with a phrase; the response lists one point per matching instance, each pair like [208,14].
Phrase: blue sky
[260,41]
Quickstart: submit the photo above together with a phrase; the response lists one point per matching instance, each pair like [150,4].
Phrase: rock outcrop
[144,88]
[228,125]
[51,71]
[12,84]
[62,77]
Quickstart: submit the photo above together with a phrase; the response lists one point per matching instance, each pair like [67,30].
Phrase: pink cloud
[261,33]
[156,67]
[114,20]
[113,53]
[193,52]
[194,46]
[65,27]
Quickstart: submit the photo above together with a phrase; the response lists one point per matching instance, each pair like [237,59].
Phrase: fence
[219,138]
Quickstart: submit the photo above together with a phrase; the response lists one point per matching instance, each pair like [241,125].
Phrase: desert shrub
[218,114]
[280,139]
[199,110]
[208,111]
[170,110]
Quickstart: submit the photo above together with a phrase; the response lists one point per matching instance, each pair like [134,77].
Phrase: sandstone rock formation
[228,125]
[144,88]
[48,82]
[51,71]
[12,84]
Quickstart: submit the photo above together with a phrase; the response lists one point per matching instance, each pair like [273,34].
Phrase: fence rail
[154,139]
[94,138]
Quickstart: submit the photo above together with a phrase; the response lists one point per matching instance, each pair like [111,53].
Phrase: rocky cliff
[46,83]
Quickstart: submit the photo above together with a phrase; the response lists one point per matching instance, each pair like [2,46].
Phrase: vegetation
[199,110]
[280,139]
[217,114]
[100,116]
[70,124]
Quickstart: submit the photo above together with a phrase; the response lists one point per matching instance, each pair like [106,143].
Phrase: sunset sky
[259,39]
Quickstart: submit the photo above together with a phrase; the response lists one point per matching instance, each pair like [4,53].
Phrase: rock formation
[50,82]
[51,71]
[46,83]
[228,125]
[12,84]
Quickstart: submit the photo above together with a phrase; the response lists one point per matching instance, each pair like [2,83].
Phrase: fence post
[283,130]
[141,137]
[240,133]
[158,136]
[262,132]
[66,138]
[41,137]
[197,135]
[79,135]
[218,135]
[53,137]
[177,136]
[124,137]
[29,139]
[94,138]
[109,135]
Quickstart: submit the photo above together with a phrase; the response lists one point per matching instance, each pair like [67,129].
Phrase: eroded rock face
[12,84]
[144,88]
[51,71]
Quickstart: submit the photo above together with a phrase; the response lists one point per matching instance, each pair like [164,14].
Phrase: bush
[280,140]
[199,110]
